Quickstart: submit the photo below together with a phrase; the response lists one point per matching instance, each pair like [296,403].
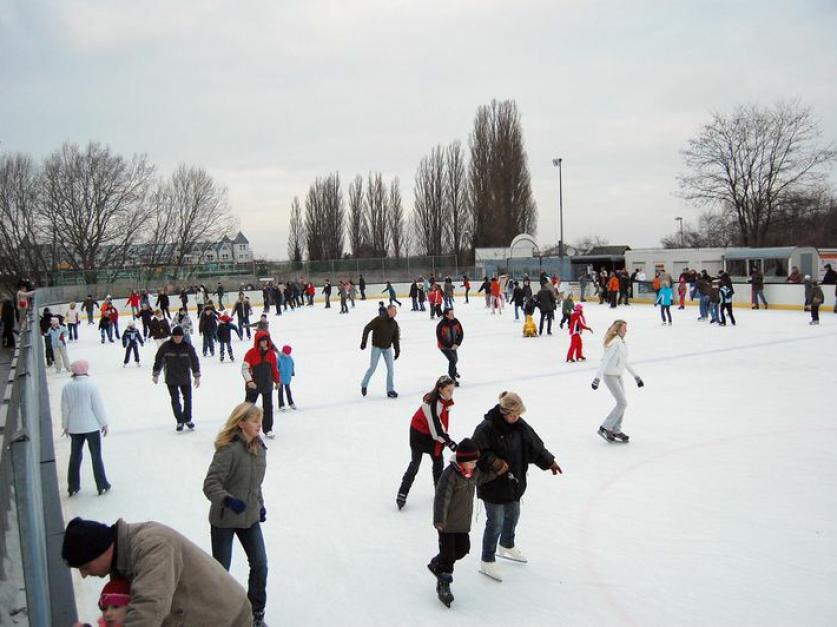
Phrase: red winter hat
[116,593]
[225,318]
[286,349]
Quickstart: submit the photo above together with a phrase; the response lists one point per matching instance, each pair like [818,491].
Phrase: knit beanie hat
[85,540]
[467,451]
[79,368]
[178,330]
[116,593]
[511,403]
[286,349]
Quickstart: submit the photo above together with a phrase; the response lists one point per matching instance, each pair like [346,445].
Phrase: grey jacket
[453,506]
[235,472]
[174,582]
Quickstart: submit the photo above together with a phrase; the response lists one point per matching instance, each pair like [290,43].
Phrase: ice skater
[614,364]
[817,298]
[57,337]
[287,371]
[178,358]
[261,373]
[453,508]
[576,327]
[131,339]
[428,434]
[385,338]
[449,336]
[664,299]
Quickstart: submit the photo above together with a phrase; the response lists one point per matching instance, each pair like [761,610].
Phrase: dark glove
[363,346]
[397,353]
[595,383]
[639,382]
[451,445]
[262,515]
[235,504]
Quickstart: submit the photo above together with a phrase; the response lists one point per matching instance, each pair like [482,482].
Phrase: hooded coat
[260,367]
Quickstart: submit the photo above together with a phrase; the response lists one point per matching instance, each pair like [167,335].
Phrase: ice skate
[443,588]
[607,435]
[292,406]
[269,434]
[179,427]
[401,501]
[621,437]
[490,569]
[512,554]
[191,425]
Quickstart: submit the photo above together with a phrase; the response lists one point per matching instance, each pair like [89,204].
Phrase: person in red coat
[428,434]
[577,325]
[434,298]
[449,336]
[261,374]
[134,304]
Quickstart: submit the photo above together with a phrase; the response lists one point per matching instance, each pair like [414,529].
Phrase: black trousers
[413,467]
[267,405]
[548,316]
[727,307]
[452,357]
[815,313]
[283,389]
[128,349]
[181,414]
[452,547]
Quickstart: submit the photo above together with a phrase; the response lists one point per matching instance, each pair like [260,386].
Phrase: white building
[227,250]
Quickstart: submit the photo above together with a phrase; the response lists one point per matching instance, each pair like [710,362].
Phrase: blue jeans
[500,523]
[374,356]
[713,312]
[703,304]
[252,542]
[208,344]
[94,443]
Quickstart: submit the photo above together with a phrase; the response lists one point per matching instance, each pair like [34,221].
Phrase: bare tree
[429,209]
[395,219]
[376,214]
[93,200]
[501,200]
[358,227]
[22,238]
[586,243]
[202,211]
[325,219]
[296,234]
[752,161]
[456,199]
[158,247]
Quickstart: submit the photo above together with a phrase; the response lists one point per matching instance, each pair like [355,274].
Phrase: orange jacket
[613,284]
[495,288]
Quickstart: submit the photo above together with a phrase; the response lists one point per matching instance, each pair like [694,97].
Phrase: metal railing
[29,503]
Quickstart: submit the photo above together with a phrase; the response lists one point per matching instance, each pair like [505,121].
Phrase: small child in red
[114,600]
[577,325]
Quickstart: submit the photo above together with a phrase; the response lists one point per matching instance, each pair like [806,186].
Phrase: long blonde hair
[228,433]
[613,331]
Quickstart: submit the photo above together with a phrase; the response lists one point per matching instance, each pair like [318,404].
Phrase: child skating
[453,509]
[577,325]
[131,340]
[614,364]
[286,373]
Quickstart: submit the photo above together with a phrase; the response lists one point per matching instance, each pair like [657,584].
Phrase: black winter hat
[467,451]
[85,540]
[178,330]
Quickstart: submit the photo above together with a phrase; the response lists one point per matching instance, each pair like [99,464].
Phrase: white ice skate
[269,434]
[491,569]
[513,554]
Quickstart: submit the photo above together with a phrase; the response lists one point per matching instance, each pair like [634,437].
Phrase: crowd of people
[492,463]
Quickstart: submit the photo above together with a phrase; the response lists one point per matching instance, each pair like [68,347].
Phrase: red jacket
[113,314]
[577,323]
[435,297]
[495,288]
[423,421]
[134,300]
[259,367]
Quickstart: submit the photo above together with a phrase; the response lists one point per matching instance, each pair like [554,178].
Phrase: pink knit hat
[79,368]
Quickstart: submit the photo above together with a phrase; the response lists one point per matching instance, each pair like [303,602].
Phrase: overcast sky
[267,95]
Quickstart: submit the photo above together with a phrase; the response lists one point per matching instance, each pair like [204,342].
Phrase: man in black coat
[546,303]
[179,359]
[449,336]
[504,435]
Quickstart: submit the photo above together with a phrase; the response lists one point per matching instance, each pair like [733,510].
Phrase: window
[737,267]
[776,267]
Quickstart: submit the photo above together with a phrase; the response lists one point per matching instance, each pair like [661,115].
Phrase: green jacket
[453,506]
[235,472]
[568,306]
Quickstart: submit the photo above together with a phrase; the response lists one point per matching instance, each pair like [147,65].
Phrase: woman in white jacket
[614,364]
[83,418]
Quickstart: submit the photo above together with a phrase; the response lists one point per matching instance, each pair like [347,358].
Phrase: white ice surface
[721,511]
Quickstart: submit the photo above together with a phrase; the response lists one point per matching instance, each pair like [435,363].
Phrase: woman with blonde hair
[614,364]
[233,485]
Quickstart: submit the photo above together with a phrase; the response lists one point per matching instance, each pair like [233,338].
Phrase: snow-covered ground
[722,510]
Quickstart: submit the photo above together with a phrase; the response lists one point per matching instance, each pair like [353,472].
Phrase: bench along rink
[722,509]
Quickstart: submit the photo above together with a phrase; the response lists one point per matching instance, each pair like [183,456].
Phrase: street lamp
[557,164]
[680,220]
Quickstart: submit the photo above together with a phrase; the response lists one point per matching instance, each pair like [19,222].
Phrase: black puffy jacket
[518,445]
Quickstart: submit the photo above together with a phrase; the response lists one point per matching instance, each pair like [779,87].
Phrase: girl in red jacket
[428,434]
[577,325]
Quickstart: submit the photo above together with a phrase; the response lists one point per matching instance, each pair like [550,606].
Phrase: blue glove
[235,504]
[262,515]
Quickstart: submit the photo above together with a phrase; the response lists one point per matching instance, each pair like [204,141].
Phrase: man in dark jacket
[518,298]
[449,336]
[361,285]
[503,434]
[385,337]
[261,375]
[220,292]
[757,281]
[546,303]
[242,313]
[178,358]
[327,292]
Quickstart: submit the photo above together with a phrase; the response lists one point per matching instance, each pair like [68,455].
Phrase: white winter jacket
[82,410]
[615,360]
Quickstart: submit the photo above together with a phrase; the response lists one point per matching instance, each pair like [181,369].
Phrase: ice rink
[722,510]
